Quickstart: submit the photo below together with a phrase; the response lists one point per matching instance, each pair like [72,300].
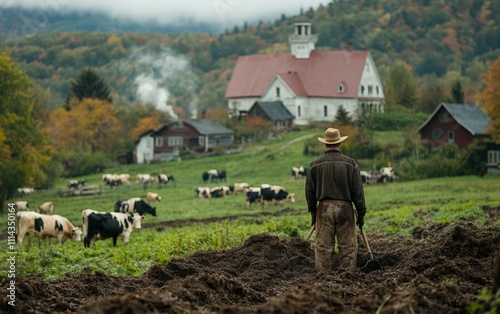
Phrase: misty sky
[226,13]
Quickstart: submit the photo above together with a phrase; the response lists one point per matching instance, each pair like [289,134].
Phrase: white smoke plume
[155,72]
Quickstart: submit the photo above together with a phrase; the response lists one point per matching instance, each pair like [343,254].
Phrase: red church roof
[317,76]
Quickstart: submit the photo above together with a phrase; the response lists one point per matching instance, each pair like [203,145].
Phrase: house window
[159,141]
[444,117]
[494,156]
[278,92]
[436,134]
[377,90]
[325,111]
[341,88]
[201,140]
[149,143]
[367,67]
[174,140]
[362,89]
[451,137]
[298,111]
[370,89]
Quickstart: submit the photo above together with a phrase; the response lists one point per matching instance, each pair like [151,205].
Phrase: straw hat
[332,136]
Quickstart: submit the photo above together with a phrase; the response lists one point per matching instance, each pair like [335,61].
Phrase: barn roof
[471,117]
[317,76]
[275,110]
[208,127]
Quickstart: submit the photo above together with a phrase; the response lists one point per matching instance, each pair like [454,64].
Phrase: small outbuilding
[166,143]
[273,111]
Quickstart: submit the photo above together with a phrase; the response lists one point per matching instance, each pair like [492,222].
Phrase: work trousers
[335,220]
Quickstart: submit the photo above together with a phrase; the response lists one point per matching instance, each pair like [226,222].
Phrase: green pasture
[395,208]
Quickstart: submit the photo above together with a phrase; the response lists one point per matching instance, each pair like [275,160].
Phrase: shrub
[393,120]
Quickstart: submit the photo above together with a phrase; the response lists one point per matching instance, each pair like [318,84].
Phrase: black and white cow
[214,175]
[202,192]
[386,174]
[299,172]
[164,179]
[100,226]
[111,180]
[253,195]
[75,184]
[134,205]
[365,177]
[275,194]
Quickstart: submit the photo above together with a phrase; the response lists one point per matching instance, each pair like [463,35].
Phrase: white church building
[311,84]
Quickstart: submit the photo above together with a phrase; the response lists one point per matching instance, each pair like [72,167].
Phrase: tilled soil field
[440,269]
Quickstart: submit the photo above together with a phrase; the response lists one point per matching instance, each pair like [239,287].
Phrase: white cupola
[302,42]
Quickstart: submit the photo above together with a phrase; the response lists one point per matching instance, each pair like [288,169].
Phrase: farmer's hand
[360,221]
[313,218]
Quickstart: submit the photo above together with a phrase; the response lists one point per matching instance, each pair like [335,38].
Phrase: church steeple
[302,42]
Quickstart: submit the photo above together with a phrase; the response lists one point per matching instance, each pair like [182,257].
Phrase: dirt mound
[441,269]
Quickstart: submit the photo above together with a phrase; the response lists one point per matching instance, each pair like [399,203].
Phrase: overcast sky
[226,13]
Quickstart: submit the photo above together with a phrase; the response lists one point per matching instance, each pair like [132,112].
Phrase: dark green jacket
[334,176]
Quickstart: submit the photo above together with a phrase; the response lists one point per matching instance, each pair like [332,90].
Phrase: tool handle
[365,240]
[311,232]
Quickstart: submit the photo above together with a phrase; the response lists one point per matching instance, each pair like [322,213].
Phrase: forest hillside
[441,40]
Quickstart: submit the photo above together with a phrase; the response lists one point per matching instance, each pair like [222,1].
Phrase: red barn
[454,123]
[461,124]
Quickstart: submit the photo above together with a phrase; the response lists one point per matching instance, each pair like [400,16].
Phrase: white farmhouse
[144,147]
[311,84]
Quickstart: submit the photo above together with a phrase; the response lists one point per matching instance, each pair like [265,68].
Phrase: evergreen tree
[457,94]
[88,85]
[342,116]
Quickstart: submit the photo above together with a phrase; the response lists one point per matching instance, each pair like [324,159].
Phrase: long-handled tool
[372,264]
[310,232]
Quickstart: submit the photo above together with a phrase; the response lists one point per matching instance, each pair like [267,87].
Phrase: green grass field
[396,208]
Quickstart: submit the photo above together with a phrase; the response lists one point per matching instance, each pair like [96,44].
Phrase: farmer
[333,183]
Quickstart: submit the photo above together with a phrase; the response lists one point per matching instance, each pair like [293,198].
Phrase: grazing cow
[46,208]
[275,194]
[240,187]
[386,175]
[253,195]
[219,191]
[25,191]
[144,178]
[164,179]
[111,180]
[22,206]
[153,197]
[123,178]
[100,226]
[299,172]
[365,177]
[205,177]
[221,176]
[202,192]
[75,184]
[214,175]
[134,205]
[45,226]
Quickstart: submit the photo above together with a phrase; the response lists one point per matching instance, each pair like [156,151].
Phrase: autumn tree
[88,85]
[24,149]
[401,88]
[490,98]
[155,120]
[92,124]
